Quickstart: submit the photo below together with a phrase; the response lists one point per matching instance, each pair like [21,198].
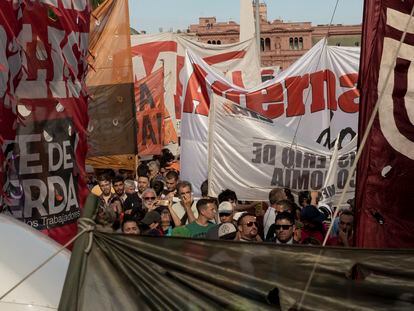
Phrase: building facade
[282,43]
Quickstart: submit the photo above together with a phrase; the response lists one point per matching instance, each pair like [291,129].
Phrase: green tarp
[138,273]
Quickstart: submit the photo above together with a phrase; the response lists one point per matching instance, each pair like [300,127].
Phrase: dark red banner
[43,112]
[385,173]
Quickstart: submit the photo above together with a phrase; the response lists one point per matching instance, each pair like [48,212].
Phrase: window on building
[267,44]
[300,43]
[291,43]
[218,42]
[213,42]
[262,45]
[209,41]
[296,44]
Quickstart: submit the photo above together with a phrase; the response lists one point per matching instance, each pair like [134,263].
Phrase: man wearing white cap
[226,212]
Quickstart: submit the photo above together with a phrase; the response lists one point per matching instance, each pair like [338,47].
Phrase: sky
[152,15]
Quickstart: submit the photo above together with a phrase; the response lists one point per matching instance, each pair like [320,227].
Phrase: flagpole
[257,17]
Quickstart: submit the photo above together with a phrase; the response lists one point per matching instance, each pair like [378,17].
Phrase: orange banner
[149,96]
[111,109]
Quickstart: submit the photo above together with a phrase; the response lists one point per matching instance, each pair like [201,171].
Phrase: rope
[358,155]
[86,225]
[325,44]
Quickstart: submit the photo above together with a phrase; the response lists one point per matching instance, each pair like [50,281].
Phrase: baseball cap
[151,217]
[225,208]
[311,213]
[224,231]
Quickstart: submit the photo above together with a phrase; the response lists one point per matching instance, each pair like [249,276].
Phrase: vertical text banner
[150,113]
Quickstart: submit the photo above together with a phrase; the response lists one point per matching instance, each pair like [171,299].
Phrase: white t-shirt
[179,210]
[268,219]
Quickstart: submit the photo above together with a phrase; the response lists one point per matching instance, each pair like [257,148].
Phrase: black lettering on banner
[316,180]
[300,170]
[45,170]
[298,158]
[288,173]
[148,131]
[288,157]
[309,160]
[277,178]
[239,110]
[300,179]
[269,154]
[342,177]
[257,152]
[145,97]
[352,181]
[328,192]
[347,160]
[321,162]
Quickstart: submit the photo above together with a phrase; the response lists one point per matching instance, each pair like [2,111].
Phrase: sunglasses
[149,198]
[224,214]
[251,223]
[284,227]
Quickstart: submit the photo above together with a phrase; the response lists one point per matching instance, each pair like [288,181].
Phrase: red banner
[385,173]
[43,49]
[149,95]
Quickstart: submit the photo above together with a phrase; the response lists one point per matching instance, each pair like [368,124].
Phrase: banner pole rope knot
[87,225]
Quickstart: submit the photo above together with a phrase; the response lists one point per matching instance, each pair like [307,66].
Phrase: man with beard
[248,228]
[143,183]
[119,187]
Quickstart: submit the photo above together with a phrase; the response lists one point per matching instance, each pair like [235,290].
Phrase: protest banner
[43,100]
[112,124]
[255,154]
[385,173]
[316,98]
[237,61]
[150,113]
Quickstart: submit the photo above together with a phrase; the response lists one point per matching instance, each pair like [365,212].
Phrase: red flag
[43,49]
[385,175]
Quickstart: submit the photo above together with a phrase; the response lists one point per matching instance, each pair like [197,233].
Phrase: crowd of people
[154,201]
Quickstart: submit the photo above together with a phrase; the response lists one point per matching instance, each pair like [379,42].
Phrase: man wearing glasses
[284,229]
[248,228]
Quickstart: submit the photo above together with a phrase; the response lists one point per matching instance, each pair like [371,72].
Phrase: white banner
[252,154]
[237,62]
[316,98]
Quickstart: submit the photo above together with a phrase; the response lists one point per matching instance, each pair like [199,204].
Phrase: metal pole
[257,17]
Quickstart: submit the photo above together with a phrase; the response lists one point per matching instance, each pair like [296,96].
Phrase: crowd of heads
[154,201]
